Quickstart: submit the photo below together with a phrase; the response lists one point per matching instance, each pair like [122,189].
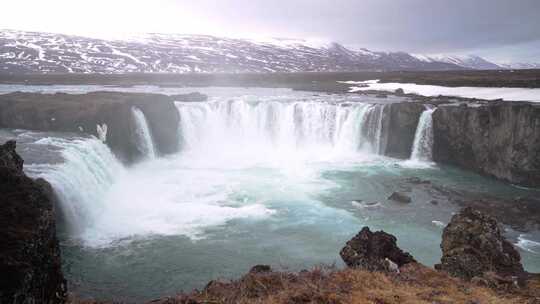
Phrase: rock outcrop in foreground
[473,246]
[30,267]
[372,250]
[367,280]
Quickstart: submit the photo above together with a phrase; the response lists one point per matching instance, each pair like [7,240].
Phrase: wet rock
[402,120]
[190,97]
[83,112]
[399,91]
[369,250]
[522,214]
[417,181]
[434,202]
[400,197]
[260,269]
[473,245]
[9,158]
[30,266]
[499,139]
[381,95]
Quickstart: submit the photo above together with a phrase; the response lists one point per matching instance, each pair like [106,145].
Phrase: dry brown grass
[415,284]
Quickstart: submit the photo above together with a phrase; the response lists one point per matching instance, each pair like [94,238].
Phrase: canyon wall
[30,266]
[402,120]
[83,112]
[499,139]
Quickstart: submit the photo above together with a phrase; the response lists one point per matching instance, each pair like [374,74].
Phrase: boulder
[30,266]
[473,245]
[260,269]
[370,250]
[400,197]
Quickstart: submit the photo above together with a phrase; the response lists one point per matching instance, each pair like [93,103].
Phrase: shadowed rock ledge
[83,112]
[30,266]
[499,139]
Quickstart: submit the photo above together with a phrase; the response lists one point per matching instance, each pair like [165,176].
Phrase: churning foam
[82,180]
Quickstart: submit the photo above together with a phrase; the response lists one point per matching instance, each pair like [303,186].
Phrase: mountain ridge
[37,52]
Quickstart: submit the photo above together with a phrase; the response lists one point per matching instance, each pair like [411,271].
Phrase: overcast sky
[501,30]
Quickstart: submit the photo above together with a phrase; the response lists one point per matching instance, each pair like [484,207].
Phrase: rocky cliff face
[500,139]
[402,122]
[82,113]
[30,267]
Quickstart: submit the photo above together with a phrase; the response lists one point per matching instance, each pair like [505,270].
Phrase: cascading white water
[374,128]
[81,181]
[423,137]
[143,135]
[271,129]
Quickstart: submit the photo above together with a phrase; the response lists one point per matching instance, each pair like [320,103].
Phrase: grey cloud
[427,26]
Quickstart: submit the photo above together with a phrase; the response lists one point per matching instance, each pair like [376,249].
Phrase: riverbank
[315,81]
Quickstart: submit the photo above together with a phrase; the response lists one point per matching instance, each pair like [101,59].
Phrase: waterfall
[287,127]
[374,129]
[143,135]
[423,137]
[81,181]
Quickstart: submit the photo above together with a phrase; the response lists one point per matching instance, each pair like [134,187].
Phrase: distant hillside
[33,52]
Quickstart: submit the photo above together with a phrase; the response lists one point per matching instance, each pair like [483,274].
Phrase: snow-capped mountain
[33,52]
[467,61]
[520,65]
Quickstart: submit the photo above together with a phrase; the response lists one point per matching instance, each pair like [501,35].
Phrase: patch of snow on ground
[510,94]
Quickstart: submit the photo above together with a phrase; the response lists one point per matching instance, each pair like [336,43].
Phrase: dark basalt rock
[260,269]
[417,181]
[402,120]
[163,120]
[400,197]
[368,250]
[30,266]
[190,97]
[473,245]
[500,139]
[83,112]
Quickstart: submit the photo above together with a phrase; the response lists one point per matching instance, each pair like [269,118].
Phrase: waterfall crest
[282,126]
[423,138]
[143,135]
[375,129]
